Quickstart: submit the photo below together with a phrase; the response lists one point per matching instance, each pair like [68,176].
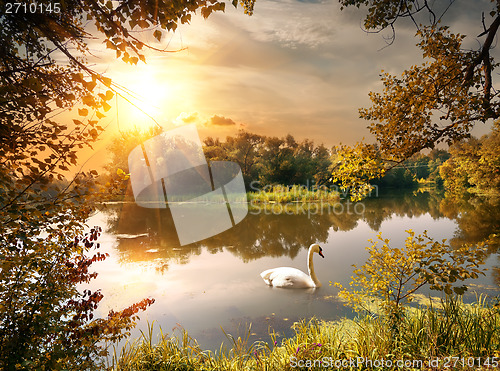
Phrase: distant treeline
[416,169]
[272,160]
[286,161]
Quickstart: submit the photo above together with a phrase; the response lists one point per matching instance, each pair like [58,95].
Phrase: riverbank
[295,193]
[269,194]
[447,335]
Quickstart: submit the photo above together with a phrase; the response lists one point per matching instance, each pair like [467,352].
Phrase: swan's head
[316,248]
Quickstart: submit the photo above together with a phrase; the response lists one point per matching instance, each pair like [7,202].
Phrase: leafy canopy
[45,322]
[439,101]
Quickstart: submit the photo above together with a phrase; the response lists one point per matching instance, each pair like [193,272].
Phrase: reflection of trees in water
[267,234]
[256,236]
[272,235]
[396,203]
[478,218]
[155,228]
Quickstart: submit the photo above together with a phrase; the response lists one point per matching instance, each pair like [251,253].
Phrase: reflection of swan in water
[293,278]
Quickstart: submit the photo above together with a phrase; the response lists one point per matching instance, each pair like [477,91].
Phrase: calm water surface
[216,284]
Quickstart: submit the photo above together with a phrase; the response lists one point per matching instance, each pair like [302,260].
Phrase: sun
[147,95]
[155,93]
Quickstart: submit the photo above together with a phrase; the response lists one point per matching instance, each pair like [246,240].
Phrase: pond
[215,284]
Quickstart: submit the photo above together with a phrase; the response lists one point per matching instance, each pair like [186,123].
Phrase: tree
[244,149]
[43,72]
[393,275]
[45,323]
[273,160]
[117,166]
[268,160]
[286,161]
[439,101]
[474,165]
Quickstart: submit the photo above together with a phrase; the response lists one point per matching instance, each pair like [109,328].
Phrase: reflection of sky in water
[216,288]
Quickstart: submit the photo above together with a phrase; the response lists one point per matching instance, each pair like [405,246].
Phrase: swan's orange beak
[321,254]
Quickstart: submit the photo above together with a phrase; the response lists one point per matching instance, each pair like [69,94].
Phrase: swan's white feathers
[287,277]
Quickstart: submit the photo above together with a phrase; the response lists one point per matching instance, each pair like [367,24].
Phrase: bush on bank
[449,335]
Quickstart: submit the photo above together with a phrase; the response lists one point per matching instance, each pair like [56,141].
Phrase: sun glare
[154,93]
[149,95]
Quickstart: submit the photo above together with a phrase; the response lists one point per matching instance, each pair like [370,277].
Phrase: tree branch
[485,52]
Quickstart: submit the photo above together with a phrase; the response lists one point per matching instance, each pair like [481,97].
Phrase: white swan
[292,278]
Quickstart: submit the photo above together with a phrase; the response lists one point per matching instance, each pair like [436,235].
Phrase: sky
[299,67]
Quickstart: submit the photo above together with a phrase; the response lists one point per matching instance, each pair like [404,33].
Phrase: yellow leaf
[109,95]
[88,100]
[157,34]
[110,45]
[106,106]
[106,81]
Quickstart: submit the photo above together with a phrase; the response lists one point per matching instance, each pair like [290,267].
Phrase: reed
[295,193]
[468,332]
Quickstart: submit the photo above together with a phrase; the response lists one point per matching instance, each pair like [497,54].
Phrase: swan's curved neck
[310,268]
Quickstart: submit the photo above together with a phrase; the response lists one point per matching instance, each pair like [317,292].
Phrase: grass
[469,332]
[268,195]
[295,193]
[295,200]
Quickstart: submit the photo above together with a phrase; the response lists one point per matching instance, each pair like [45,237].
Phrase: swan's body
[292,278]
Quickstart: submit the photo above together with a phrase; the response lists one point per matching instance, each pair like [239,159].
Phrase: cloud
[293,24]
[296,66]
[186,118]
[220,121]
